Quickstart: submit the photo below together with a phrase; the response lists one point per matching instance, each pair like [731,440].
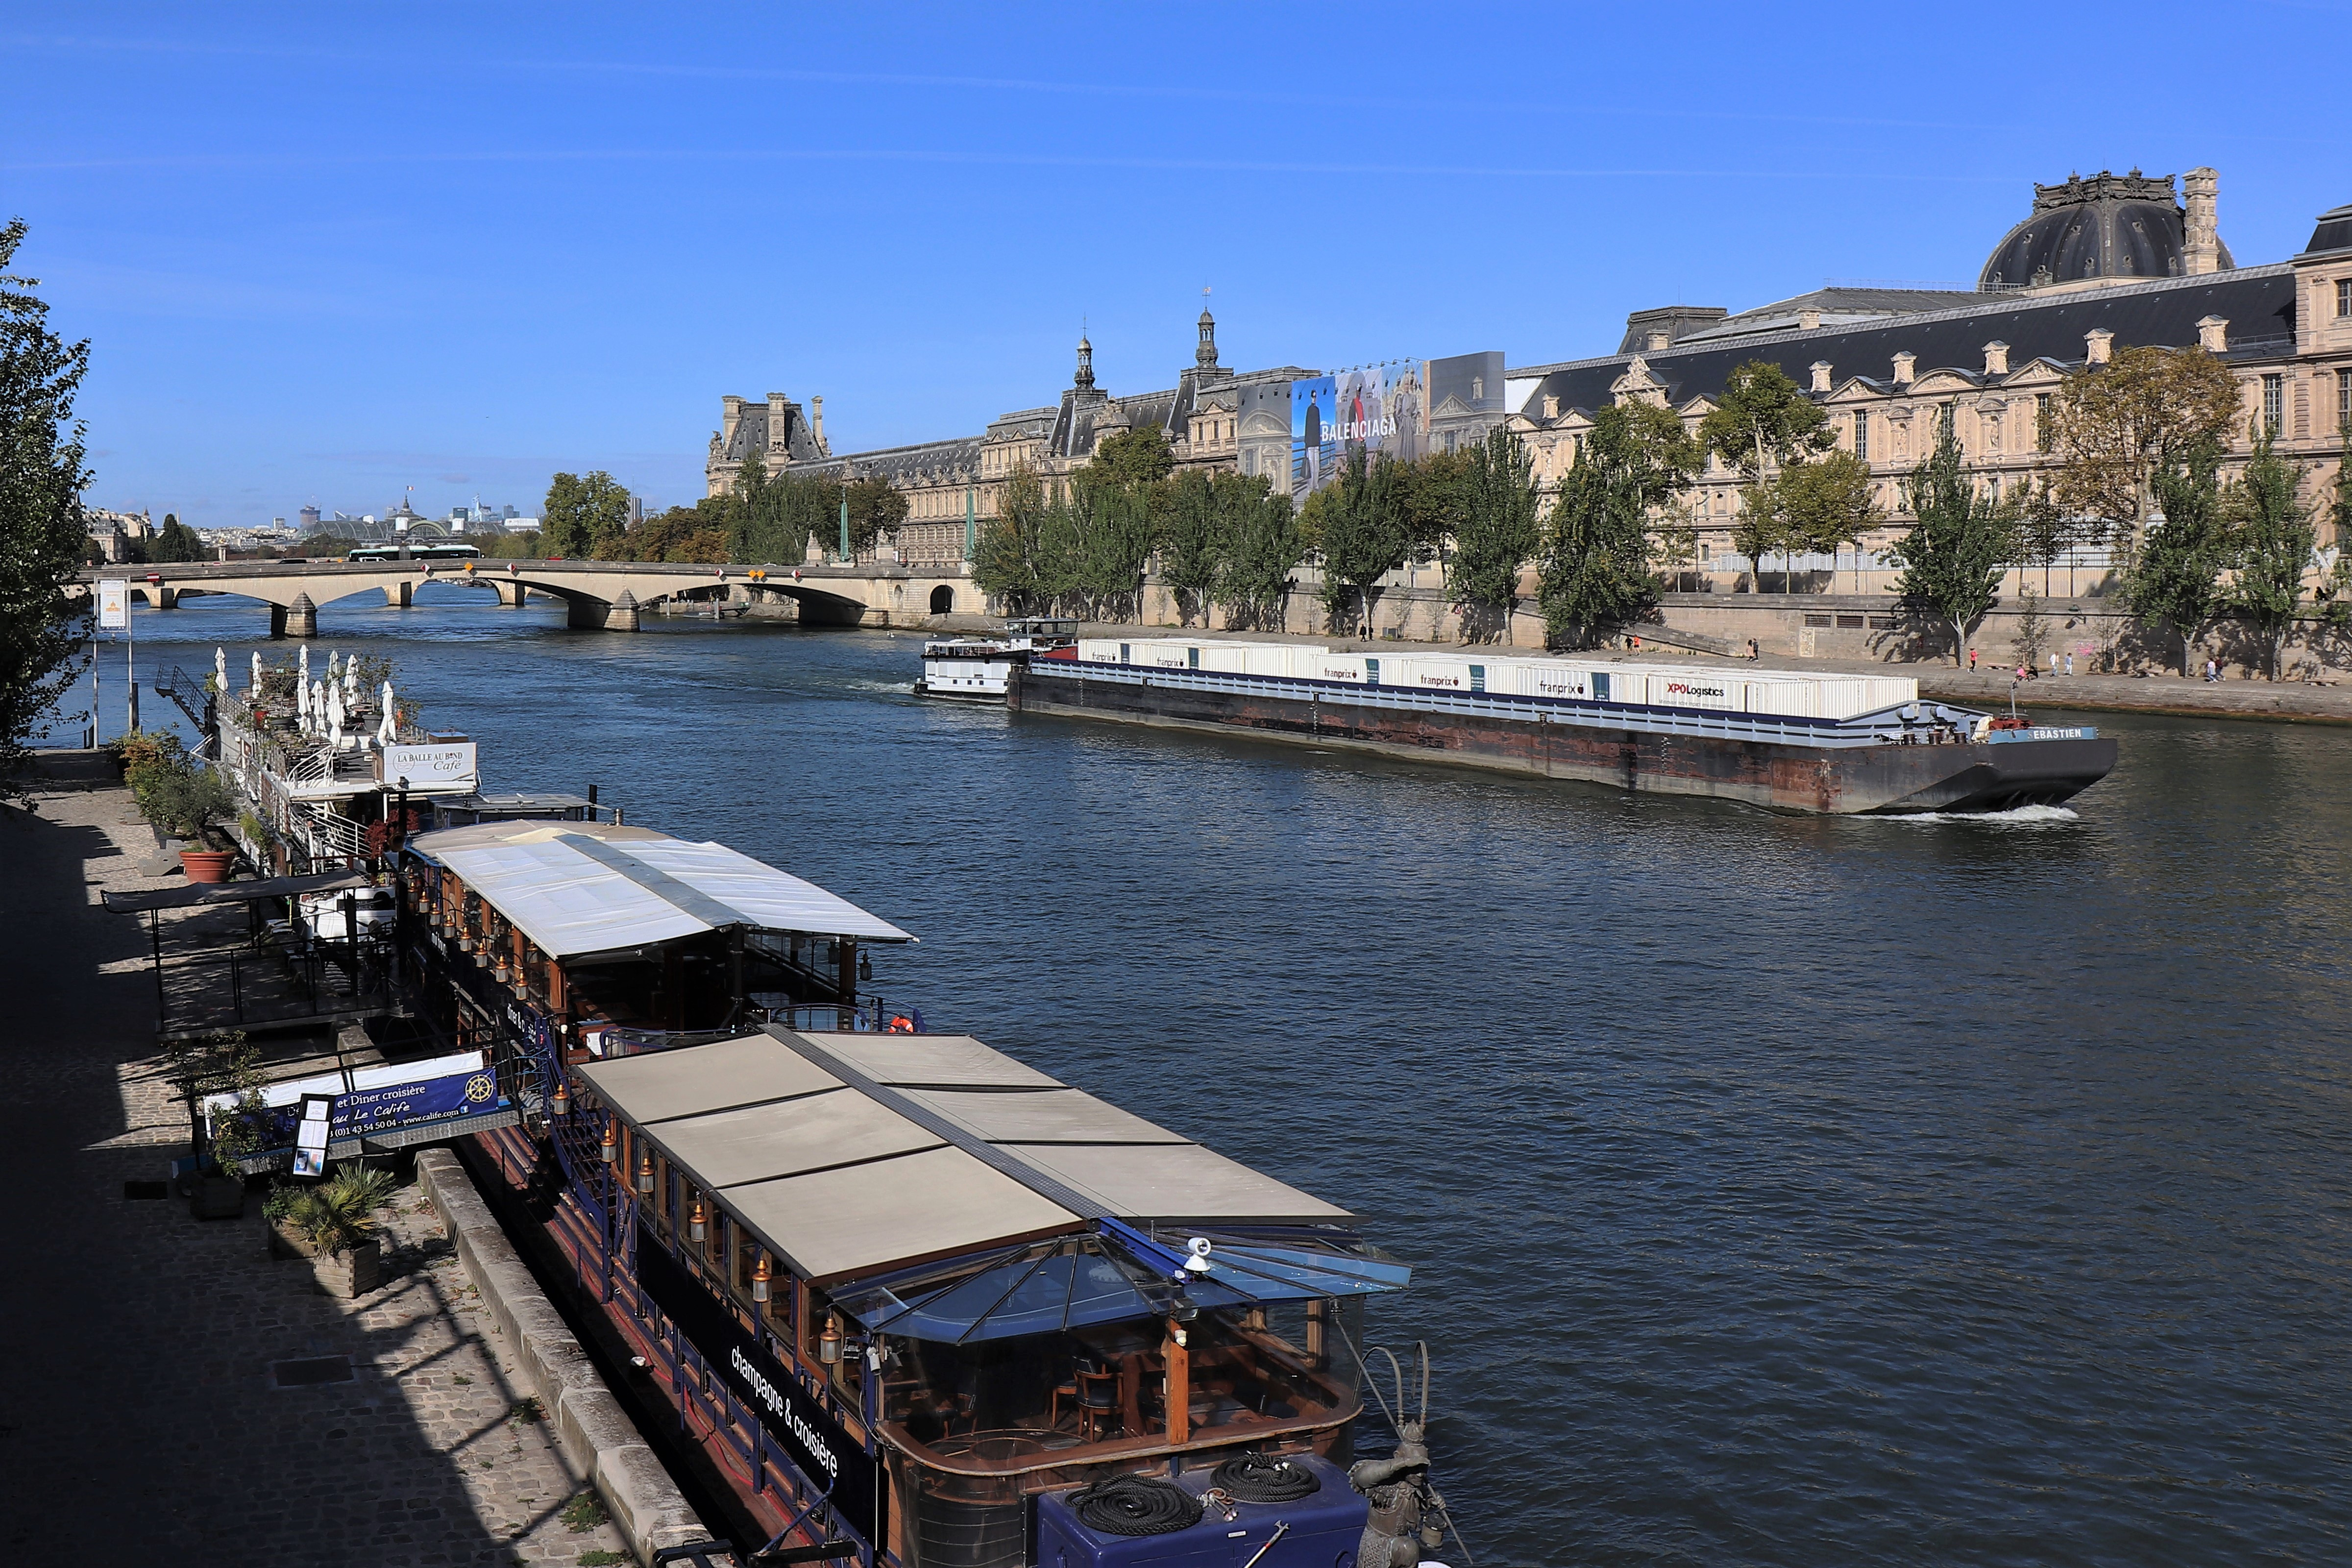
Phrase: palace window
[2343,297]
[2343,398]
[2274,401]
[2042,421]
[1862,434]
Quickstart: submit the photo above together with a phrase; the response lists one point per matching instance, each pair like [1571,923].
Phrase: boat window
[1600,686]
[1124,652]
[1192,658]
[1477,678]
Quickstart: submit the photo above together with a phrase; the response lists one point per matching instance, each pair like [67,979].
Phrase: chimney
[2201,249]
[779,439]
[816,423]
[1809,320]
[1656,341]
[2214,335]
[1903,363]
[2095,345]
[1821,375]
[732,415]
[1996,358]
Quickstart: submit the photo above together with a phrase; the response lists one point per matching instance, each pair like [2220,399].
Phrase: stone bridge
[606,595]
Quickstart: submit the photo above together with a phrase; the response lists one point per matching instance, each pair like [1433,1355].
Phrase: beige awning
[817,1143]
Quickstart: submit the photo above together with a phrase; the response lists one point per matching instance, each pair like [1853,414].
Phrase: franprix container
[1323,665]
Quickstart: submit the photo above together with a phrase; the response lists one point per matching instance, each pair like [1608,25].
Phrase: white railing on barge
[1885,727]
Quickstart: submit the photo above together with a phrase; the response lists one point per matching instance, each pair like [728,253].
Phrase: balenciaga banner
[1383,408]
[825,1452]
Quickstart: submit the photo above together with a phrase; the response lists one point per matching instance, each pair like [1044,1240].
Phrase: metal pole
[129,642]
[844,529]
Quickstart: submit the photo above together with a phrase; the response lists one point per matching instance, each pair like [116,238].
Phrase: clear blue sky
[328,252]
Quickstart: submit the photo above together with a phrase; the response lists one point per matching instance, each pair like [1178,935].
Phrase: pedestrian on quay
[2070,666]
[2053,666]
[1972,661]
[1754,653]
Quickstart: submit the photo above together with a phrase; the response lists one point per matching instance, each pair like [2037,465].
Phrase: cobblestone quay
[140,1418]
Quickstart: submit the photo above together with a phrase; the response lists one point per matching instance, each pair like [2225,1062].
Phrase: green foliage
[1262,545]
[1193,543]
[2109,427]
[176,541]
[583,517]
[1498,531]
[2174,576]
[1763,420]
[1115,533]
[1959,541]
[876,507]
[1131,457]
[216,1064]
[681,533]
[2033,628]
[1363,532]
[583,1514]
[1008,556]
[2276,545]
[1824,502]
[337,1215]
[181,797]
[41,531]
[511,547]
[1594,573]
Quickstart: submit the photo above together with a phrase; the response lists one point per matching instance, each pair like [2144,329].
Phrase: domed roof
[2109,225]
[2333,233]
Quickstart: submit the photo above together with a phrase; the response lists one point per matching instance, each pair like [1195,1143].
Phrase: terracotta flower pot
[206,864]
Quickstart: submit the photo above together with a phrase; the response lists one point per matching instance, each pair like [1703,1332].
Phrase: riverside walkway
[140,1420]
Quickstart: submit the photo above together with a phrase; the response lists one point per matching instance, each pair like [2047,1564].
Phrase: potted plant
[333,1226]
[203,1068]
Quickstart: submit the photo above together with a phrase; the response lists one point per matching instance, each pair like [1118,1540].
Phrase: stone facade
[2099,263]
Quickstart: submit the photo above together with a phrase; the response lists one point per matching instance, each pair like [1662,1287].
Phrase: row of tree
[761,519]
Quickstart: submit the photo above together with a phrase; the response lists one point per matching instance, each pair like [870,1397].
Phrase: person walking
[2070,666]
[1754,653]
[1972,661]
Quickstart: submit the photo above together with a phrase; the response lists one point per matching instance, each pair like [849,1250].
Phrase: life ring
[900,1024]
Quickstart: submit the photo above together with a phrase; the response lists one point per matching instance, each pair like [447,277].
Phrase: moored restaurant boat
[923,1304]
[1787,741]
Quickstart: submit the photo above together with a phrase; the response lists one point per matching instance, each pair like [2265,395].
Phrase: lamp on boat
[828,1343]
[761,1274]
[645,1176]
[698,1224]
[865,966]
[559,1098]
[612,1142]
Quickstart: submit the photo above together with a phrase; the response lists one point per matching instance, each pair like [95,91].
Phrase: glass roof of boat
[579,887]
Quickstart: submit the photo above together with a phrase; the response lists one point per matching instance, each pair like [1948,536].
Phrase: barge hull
[1969,777]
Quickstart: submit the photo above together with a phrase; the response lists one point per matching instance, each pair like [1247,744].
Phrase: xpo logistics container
[1789,739]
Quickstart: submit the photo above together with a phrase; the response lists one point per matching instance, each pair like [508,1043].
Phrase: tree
[1262,546]
[1116,533]
[176,541]
[1005,557]
[511,547]
[1762,421]
[584,516]
[2044,530]
[1821,503]
[2277,546]
[875,508]
[2174,576]
[1193,541]
[1595,570]
[1499,532]
[2032,627]
[1363,531]
[1138,455]
[1430,494]
[2111,427]
[41,529]
[1959,541]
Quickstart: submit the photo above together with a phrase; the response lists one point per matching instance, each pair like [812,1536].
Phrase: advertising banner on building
[1314,436]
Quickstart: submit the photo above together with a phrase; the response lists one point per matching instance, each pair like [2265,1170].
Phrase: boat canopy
[578,888]
[941,1189]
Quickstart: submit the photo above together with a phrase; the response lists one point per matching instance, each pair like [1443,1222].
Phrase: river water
[1781,1191]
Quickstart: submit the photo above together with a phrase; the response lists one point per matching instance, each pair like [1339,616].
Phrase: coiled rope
[1135,1505]
[1266,1477]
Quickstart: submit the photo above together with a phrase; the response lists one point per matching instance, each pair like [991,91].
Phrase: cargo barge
[919,1304]
[1788,741]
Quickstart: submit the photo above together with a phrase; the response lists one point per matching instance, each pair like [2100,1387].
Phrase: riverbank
[253,1417]
[2286,701]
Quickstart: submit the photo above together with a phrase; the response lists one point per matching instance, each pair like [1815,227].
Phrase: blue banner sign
[364,1110]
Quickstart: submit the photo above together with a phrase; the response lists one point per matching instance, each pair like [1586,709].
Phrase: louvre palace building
[2099,263]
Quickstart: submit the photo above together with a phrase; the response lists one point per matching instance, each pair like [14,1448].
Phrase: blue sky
[331,252]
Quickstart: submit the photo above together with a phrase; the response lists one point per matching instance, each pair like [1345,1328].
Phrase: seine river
[1780,1191]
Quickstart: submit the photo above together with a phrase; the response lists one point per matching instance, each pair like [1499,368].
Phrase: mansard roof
[902,465]
[2257,301]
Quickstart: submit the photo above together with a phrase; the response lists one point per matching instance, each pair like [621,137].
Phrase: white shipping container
[1099,651]
[1320,663]
[1434,671]
[1230,657]
[1267,658]
[1694,687]
[1547,677]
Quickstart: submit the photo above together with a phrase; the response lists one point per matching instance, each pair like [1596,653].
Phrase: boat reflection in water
[930,1305]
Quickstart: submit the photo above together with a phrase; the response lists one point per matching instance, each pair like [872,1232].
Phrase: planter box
[217,1197]
[207,865]
[343,1275]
